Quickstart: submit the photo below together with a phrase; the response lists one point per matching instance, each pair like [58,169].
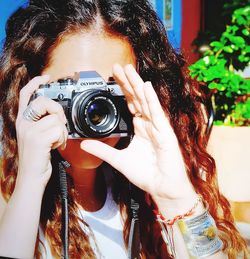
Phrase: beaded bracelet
[171,222]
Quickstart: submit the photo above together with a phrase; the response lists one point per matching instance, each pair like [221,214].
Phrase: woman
[166,159]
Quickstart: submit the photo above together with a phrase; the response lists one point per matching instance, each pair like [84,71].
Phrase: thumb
[102,151]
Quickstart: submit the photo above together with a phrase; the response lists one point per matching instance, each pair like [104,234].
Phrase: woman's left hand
[153,160]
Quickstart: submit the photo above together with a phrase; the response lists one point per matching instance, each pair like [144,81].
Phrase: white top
[107,227]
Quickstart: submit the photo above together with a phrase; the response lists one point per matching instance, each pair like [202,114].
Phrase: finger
[102,151]
[54,137]
[63,140]
[63,145]
[47,122]
[66,134]
[131,108]
[137,84]
[43,105]
[158,117]
[27,91]
[140,127]
[43,125]
[122,81]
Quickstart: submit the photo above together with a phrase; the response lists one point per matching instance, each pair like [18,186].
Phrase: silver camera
[93,108]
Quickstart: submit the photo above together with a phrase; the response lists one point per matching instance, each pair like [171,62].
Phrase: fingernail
[117,68]
[127,66]
[85,143]
[148,83]
[130,66]
[82,145]
[116,65]
[64,145]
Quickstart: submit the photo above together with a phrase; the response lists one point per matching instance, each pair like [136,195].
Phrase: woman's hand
[36,138]
[153,160]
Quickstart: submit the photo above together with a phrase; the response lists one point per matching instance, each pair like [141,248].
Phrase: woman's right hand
[35,139]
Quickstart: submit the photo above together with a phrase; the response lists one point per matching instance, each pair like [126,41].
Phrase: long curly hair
[32,33]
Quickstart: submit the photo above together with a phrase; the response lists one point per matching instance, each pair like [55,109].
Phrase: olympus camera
[93,108]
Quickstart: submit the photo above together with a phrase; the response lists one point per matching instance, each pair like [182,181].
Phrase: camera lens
[94,113]
[98,112]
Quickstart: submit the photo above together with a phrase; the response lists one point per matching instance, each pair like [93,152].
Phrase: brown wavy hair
[32,33]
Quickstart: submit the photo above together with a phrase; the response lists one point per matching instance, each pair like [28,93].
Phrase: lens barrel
[94,113]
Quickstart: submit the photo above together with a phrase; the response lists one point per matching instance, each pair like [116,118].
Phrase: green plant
[213,28]
[219,70]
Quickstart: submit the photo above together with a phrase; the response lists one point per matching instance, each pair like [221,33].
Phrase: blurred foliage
[213,28]
[232,5]
[219,70]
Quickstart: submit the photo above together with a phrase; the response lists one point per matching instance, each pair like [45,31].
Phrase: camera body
[93,108]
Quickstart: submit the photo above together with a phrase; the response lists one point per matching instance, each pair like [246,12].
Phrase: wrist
[34,176]
[170,208]
[29,185]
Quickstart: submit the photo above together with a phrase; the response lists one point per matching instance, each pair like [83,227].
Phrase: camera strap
[65,214]
[134,245]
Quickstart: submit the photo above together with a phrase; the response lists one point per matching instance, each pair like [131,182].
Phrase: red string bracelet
[171,222]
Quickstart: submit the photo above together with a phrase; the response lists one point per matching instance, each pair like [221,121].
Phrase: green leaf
[217,45]
[228,49]
[246,32]
[234,47]
[241,58]
[221,87]
[247,49]
[212,85]
[239,41]
[241,20]
[233,28]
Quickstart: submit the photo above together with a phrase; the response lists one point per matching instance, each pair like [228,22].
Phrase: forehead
[88,51]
